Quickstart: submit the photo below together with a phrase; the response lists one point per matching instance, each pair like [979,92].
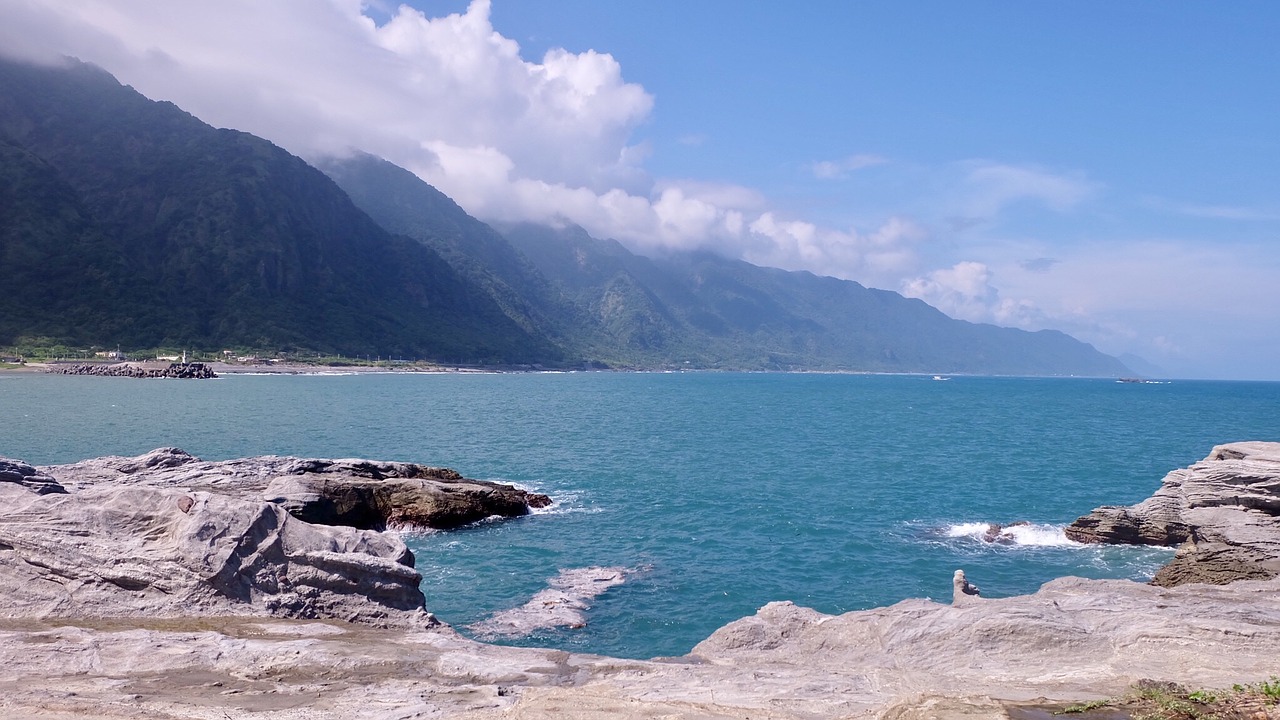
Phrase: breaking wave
[1023,534]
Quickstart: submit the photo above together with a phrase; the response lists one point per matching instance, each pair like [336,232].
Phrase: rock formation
[153,552]
[1223,512]
[563,604]
[16,471]
[365,494]
[167,535]
[963,591]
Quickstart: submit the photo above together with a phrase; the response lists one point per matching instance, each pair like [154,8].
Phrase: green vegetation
[1169,701]
[130,222]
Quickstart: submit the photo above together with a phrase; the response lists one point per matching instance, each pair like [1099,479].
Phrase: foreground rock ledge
[1223,513]
[1073,640]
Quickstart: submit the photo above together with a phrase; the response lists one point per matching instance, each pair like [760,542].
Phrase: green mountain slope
[127,221]
[402,203]
[705,310]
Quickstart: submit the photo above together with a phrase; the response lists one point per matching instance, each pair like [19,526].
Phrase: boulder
[367,494]
[145,551]
[1223,512]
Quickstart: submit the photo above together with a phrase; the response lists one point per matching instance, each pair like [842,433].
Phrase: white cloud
[988,188]
[840,169]
[876,258]
[1214,212]
[962,291]
[320,76]
[1189,308]
[452,100]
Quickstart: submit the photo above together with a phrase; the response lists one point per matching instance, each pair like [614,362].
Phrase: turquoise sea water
[723,491]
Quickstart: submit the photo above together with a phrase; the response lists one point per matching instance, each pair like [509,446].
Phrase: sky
[1111,170]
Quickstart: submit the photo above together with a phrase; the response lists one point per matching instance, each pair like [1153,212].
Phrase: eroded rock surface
[366,494]
[145,551]
[1073,640]
[1223,512]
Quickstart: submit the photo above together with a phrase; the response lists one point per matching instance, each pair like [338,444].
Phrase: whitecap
[969,529]
[1020,534]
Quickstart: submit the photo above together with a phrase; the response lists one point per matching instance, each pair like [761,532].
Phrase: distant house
[109,354]
[170,358]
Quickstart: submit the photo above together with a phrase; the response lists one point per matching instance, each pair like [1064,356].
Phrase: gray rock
[1073,640]
[1223,510]
[563,604]
[140,551]
[962,591]
[366,494]
[16,471]
[85,575]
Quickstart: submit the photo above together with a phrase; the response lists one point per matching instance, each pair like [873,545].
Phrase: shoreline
[113,640]
[295,368]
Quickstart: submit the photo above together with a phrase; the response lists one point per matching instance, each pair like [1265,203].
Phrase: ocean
[719,492]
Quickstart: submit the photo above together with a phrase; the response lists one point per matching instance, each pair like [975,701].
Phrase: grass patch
[1150,700]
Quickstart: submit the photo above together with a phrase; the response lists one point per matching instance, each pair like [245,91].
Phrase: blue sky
[1108,169]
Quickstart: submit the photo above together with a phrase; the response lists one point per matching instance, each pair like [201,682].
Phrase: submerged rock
[563,604]
[1223,512]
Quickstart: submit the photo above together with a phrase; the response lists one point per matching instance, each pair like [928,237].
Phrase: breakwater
[179,371]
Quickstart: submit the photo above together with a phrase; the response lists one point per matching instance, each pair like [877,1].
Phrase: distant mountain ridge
[731,312]
[599,300]
[124,221]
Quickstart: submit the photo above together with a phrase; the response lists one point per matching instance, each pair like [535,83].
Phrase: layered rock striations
[155,552]
[1223,513]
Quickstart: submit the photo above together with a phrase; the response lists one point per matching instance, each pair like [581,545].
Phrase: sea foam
[1030,534]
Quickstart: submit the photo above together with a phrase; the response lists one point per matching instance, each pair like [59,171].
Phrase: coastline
[377,655]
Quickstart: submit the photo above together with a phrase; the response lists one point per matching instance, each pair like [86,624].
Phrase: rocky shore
[177,371]
[1222,513]
[166,586]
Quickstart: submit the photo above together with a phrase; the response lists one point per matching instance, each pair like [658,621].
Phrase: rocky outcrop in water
[166,534]
[177,371]
[563,604]
[367,494]
[1222,512]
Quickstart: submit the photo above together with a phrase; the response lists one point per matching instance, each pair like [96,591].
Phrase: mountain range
[125,221]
